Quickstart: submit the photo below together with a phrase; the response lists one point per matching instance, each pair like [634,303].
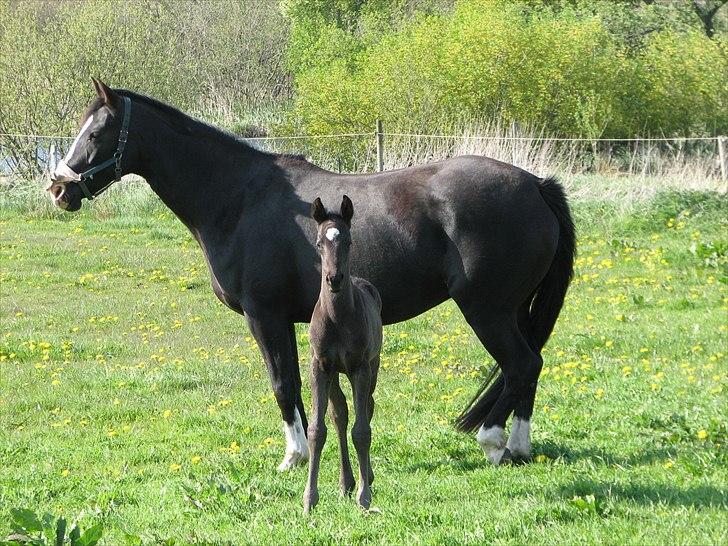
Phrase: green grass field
[130,398]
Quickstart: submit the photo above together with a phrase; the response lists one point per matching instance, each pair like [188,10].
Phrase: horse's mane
[187,124]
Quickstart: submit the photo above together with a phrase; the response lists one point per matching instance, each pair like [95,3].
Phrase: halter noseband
[114,160]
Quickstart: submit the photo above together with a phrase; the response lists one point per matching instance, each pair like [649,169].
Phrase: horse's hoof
[506,458]
[521,458]
[292,459]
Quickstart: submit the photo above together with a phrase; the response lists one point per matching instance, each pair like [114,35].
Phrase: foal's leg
[320,384]
[361,433]
[339,413]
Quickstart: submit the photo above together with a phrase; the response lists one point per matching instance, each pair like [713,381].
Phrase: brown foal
[346,337]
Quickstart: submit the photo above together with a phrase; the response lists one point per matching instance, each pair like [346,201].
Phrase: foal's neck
[340,304]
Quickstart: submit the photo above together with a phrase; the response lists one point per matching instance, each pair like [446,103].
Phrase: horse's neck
[340,305]
[199,179]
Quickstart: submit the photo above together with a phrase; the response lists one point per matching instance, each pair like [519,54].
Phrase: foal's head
[333,241]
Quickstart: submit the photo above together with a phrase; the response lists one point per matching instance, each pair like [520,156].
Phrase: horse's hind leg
[519,440]
[361,432]
[520,367]
[339,414]
[372,385]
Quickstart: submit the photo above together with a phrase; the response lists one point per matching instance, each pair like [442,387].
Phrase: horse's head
[333,241]
[94,160]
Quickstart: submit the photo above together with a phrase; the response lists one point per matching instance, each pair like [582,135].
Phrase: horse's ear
[347,209]
[318,211]
[110,97]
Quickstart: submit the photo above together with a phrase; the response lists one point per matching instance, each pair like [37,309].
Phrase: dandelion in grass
[702,434]
[175,467]
[196,459]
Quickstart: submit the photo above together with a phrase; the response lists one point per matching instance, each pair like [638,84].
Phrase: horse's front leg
[276,341]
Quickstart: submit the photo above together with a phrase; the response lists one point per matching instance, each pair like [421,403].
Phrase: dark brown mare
[494,238]
[346,337]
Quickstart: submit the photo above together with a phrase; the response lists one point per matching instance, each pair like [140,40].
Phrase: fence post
[52,157]
[722,158]
[380,146]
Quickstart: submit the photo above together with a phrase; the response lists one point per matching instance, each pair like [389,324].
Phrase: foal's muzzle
[334,281]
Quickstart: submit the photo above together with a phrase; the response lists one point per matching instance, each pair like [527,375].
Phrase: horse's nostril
[57,190]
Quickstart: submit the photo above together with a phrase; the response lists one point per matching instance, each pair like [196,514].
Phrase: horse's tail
[544,307]
[546,304]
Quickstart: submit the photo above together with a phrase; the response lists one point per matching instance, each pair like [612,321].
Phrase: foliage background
[568,67]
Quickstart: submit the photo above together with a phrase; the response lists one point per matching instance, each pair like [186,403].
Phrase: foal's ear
[110,97]
[347,209]
[318,211]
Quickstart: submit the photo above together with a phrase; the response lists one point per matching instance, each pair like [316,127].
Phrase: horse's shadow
[464,461]
[699,496]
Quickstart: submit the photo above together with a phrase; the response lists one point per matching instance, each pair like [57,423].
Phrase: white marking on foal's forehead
[332,233]
[78,138]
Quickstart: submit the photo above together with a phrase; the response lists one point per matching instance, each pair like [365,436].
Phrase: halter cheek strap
[114,160]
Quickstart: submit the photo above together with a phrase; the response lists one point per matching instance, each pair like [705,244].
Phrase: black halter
[115,159]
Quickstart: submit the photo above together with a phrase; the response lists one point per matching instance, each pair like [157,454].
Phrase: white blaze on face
[78,139]
[63,172]
[332,233]
[296,443]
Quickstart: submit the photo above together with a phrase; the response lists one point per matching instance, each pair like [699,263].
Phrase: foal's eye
[93,135]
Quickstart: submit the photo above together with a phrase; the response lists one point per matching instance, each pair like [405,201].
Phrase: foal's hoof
[364,498]
[309,501]
[292,459]
[346,487]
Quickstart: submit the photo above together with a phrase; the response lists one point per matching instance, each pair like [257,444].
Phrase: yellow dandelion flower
[167,414]
[174,467]
[668,464]
[65,472]
[196,459]
[702,434]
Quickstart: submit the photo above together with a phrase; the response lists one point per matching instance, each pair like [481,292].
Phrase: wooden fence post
[722,157]
[380,146]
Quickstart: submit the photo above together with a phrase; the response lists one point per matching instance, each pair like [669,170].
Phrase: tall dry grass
[609,171]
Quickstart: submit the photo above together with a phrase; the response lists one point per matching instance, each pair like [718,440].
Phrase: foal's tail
[544,307]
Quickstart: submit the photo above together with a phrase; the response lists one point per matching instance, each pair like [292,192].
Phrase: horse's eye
[93,135]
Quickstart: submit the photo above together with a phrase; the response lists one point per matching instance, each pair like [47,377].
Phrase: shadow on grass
[570,455]
[700,496]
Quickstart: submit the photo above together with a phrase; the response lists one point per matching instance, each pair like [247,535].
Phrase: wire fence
[25,156]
